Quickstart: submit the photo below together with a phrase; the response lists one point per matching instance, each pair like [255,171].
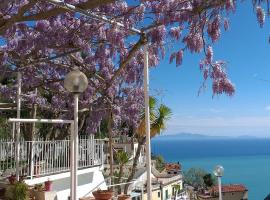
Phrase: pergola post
[147,123]
[32,158]
[18,128]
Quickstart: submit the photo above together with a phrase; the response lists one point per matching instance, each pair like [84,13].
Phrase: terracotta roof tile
[172,166]
[230,188]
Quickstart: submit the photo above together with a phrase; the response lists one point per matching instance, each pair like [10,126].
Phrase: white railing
[42,158]
[181,196]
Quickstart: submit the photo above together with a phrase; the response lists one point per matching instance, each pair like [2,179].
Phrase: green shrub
[18,191]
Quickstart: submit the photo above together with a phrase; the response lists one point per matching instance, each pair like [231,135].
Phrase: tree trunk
[141,142]
[120,177]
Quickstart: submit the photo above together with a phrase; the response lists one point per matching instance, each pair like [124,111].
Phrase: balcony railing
[42,158]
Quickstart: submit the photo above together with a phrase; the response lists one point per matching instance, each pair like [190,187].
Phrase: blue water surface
[245,161]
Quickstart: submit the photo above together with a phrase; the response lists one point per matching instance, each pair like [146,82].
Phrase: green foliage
[122,157]
[5,129]
[160,162]
[209,180]
[159,116]
[177,188]
[18,191]
[194,177]
[9,162]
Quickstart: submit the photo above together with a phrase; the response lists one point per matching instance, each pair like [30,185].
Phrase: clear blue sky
[246,49]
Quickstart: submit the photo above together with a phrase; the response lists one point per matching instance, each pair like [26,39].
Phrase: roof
[268,197]
[230,188]
[162,174]
[172,166]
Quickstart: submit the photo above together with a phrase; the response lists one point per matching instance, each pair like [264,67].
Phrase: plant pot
[48,186]
[124,197]
[102,194]
[43,195]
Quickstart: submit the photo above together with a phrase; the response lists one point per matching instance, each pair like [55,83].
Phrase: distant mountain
[190,136]
[247,137]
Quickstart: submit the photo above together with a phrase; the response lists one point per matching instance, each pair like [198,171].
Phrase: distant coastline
[193,136]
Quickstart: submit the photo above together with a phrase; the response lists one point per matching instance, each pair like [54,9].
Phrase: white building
[162,186]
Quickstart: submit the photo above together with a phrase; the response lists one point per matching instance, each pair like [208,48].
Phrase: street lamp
[75,82]
[219,172]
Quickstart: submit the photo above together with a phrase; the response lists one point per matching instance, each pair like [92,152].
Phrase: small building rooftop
[230,188]
[172,166]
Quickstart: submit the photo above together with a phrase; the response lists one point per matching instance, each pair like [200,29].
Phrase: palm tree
[159,115]
[158,119]
[177,188]
[122,158]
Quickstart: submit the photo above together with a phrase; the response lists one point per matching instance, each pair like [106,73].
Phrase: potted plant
[124,197]
[17,191]
[48,185]
[102,194]
[44,191]
[39,187]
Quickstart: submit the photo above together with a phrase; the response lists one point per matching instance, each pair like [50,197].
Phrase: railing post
[101,153]
[32,159]
[92,150]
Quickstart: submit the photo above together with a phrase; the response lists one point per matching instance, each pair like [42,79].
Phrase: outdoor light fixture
[75,82]
[219,172]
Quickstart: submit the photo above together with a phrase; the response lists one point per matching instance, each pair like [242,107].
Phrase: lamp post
[219,172]
[75,82]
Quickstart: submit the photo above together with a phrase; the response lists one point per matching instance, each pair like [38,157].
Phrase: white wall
[88,179]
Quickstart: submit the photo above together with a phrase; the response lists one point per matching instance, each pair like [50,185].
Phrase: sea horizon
[187,135]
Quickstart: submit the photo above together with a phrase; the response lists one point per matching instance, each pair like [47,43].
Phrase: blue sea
[246,161]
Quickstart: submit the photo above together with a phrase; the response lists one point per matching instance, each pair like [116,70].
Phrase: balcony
[42,158]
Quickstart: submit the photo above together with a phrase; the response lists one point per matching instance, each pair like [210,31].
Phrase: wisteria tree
[44,42]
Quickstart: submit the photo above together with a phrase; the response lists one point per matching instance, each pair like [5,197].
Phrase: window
[158,194]
[166,194]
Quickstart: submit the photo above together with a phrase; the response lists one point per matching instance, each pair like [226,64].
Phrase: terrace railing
[41,158]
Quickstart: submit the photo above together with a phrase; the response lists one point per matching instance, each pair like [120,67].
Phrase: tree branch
[132,52]
[6,23]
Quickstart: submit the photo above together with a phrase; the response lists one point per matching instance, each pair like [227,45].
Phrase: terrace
[43,158]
